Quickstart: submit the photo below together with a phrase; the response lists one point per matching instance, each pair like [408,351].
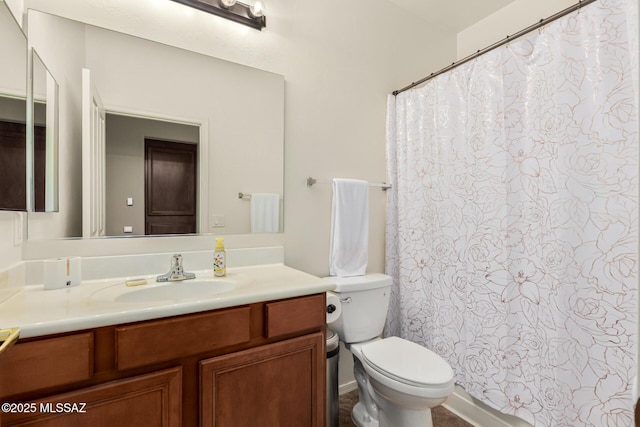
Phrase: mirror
[44,136]
[238,113]
[13,111]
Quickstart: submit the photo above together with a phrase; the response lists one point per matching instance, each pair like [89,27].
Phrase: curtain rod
[506,40]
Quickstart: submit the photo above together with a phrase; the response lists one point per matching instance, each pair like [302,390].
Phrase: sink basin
[176,291]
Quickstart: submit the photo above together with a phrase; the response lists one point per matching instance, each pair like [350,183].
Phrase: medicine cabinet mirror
[13,113]
[28,124]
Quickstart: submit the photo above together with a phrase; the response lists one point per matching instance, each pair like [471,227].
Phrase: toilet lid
[407,362]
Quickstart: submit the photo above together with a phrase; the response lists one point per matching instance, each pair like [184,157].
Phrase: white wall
[11,230]
[339,60]
[506,21]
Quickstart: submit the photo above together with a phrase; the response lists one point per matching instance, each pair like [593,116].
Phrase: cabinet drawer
[169,339]
[46,363]
[295,315]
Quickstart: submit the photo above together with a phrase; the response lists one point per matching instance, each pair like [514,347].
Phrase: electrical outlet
[129,201]
[128,229]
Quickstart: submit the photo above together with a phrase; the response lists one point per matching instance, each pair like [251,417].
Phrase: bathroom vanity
[256,356]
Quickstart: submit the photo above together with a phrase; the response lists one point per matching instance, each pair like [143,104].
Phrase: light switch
[128,229]
[129,201]
[217,220]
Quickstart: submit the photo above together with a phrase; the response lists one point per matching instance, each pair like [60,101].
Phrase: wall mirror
[230,116]
[44,138]
[13,110]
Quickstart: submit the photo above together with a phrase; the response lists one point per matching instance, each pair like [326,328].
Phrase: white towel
[265,213]
[349,246]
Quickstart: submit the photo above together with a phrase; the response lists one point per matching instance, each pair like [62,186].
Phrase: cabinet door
[279,384]
[152,400]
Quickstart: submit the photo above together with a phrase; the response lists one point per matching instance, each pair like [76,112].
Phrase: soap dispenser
[219,259]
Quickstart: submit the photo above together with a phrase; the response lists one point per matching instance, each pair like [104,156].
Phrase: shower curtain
[512,230]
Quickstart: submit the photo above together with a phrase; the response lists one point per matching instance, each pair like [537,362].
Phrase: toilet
[398,381]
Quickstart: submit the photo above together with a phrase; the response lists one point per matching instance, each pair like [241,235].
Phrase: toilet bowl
[404,380]
[398,381]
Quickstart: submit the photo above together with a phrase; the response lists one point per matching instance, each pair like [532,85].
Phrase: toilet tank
[364,300]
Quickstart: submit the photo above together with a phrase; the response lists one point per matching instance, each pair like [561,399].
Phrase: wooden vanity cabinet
[273,385]
[257,364]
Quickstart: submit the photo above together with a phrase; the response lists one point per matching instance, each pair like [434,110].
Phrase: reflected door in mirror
[13,166]
[170,187]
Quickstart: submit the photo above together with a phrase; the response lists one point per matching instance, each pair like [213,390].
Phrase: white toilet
[398,381]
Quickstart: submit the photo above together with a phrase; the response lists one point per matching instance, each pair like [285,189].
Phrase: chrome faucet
[176,273]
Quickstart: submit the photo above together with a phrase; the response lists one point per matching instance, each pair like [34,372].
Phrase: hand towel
[265,213]
[349,245]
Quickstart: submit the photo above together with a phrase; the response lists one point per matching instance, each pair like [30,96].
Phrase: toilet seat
[408,367]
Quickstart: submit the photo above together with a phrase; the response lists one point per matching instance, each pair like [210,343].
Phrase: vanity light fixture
[256,8]
[251,15]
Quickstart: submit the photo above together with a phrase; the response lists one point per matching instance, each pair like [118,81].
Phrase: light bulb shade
[256,9]
[250,13]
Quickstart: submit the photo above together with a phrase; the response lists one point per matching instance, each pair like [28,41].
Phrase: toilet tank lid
[359,283]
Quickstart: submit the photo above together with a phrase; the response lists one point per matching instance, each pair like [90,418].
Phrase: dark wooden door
[170,187]
[13,166]
[40,166]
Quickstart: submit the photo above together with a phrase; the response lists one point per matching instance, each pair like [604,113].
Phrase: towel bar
[384,185]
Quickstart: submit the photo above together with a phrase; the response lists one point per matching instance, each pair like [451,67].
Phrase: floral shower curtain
[512,232]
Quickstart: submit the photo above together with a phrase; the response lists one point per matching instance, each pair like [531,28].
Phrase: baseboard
[347,387]
[477,413]
[466,407]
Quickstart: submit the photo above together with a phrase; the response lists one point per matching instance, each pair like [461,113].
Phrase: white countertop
[38,312]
